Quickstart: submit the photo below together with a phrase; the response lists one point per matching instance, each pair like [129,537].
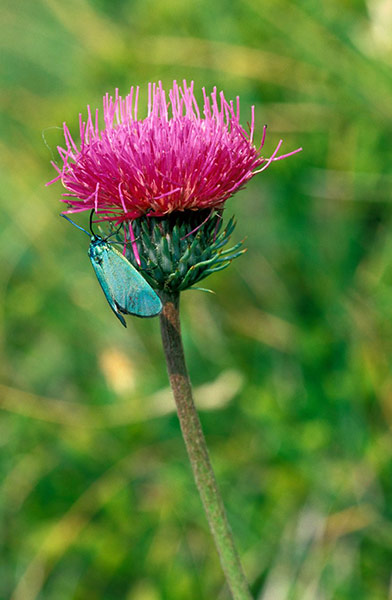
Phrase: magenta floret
[175,159]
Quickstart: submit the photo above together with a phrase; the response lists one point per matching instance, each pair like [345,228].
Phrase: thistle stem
[197,448]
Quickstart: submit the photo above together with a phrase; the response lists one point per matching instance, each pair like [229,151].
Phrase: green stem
[197,448]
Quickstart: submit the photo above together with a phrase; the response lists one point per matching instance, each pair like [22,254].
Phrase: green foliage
[291,359]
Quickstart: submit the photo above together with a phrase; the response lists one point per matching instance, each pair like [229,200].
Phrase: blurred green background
[291,359]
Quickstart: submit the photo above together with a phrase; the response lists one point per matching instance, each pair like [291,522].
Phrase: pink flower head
[173,160]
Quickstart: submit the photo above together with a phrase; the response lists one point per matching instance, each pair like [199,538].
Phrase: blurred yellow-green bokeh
[291,359]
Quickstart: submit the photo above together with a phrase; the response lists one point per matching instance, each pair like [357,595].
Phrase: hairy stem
[197,448]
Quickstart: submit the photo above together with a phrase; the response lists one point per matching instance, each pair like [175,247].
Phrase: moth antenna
[91,222]
[76,225]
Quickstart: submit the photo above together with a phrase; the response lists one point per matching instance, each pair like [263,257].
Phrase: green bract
[179,250]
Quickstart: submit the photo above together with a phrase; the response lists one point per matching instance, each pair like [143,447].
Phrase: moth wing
[104,283]
[129,290]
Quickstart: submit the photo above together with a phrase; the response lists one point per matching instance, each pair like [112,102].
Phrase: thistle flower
[166,179]
[176,160]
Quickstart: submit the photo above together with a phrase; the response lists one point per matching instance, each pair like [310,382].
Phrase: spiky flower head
[177,159]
